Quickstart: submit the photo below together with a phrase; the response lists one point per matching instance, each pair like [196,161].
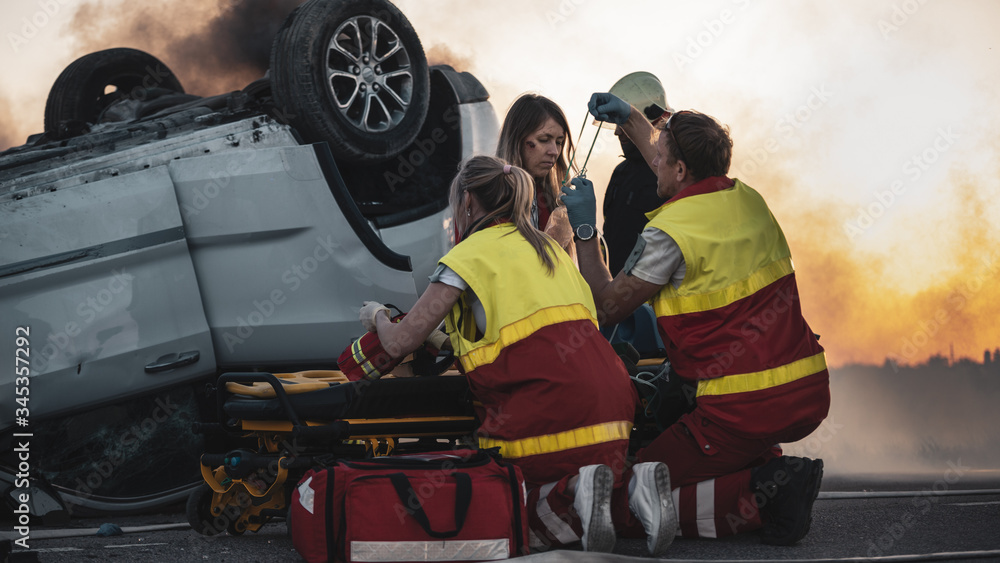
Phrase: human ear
[682,170]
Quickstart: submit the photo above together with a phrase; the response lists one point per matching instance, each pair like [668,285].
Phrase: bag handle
[409,498]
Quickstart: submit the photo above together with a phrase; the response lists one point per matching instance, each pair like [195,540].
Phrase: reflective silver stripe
[544,490]
[534,542]
[705,495]
[557,527]
[455,550]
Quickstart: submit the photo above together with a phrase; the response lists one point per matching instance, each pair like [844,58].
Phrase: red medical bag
[460,505]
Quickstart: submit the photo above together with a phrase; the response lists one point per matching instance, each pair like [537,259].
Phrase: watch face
[585,232]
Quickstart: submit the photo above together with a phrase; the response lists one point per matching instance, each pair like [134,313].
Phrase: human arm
[399,339]
[615,298]
[610,108]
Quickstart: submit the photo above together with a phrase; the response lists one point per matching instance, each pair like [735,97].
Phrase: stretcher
[294,421]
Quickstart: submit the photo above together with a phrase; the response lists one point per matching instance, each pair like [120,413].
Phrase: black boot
[785,489]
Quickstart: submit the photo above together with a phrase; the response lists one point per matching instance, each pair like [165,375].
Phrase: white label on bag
[452,550]
[307,496]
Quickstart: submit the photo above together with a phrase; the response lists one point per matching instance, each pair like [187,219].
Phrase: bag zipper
[400,463]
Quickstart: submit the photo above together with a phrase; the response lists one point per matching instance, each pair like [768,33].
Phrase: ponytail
[506,192]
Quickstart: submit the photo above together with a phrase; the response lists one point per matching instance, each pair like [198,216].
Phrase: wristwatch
[584,232]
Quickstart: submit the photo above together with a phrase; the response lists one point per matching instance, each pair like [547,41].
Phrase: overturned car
[151,240]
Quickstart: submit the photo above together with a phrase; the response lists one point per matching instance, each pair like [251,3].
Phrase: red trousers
[710,475]
[553,520]
[551,517]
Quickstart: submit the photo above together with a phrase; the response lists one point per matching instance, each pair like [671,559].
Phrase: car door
[283,255]
[100,278]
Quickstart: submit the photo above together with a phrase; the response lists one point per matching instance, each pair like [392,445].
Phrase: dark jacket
[631,194]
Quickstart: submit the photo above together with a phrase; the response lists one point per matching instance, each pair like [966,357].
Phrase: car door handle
[173,361]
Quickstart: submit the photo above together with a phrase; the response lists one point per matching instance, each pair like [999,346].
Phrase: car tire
[352,73]
[79,94]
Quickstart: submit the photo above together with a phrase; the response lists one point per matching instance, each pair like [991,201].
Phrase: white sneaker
[653,504]
[593,504]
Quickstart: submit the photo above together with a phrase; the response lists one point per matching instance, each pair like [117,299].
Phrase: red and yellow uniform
[553,395]
[735,326]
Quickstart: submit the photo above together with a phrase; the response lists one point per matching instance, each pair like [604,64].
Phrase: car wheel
[352,73]
[93,82]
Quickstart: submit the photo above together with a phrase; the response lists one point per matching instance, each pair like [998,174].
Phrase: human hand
[438,340]
[581,203]
[369,312]
[610,108]
[559,228]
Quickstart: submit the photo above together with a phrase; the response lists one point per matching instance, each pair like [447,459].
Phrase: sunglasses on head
[666,127]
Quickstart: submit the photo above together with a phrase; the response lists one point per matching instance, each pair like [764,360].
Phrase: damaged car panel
[181,237]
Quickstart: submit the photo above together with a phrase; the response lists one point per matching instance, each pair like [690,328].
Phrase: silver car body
[226,246]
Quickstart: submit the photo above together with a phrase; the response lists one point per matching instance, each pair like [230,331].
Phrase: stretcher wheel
[199,511]
[236,528]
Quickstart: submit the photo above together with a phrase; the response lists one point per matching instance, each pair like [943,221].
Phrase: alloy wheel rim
[369,74]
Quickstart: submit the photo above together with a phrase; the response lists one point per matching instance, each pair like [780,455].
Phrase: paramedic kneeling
[715,265]
[552,394]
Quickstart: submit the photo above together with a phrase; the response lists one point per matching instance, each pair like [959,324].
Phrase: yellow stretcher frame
[229,494]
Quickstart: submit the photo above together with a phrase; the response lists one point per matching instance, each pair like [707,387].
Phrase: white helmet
[645,92]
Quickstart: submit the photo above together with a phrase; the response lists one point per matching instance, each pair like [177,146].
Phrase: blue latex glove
[610,108]
[581,203]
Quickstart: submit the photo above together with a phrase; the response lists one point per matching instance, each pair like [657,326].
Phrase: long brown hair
[526,115]
[503,196]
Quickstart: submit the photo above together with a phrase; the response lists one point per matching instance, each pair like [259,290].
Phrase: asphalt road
[907,524]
